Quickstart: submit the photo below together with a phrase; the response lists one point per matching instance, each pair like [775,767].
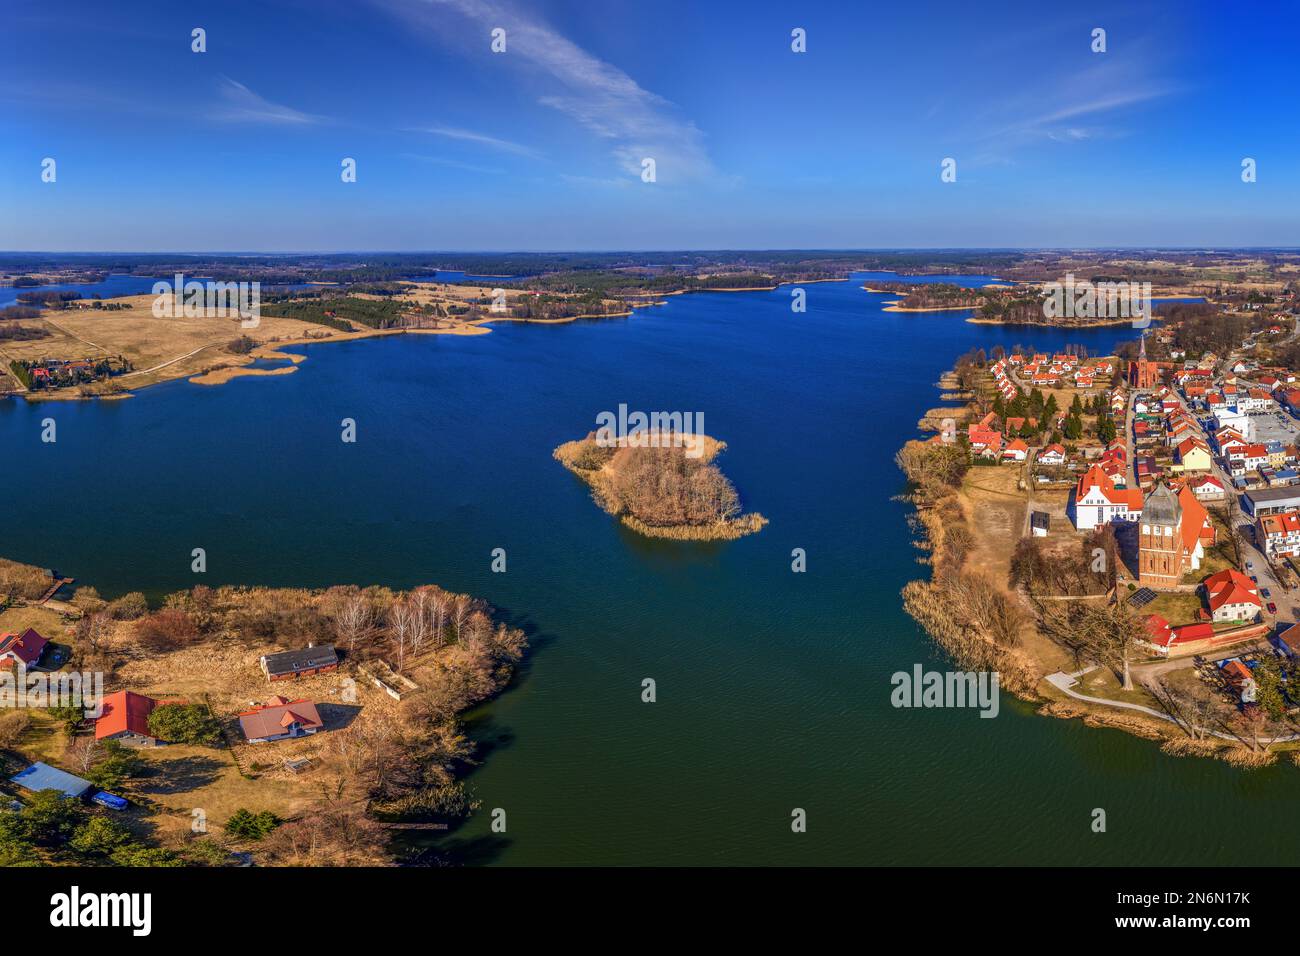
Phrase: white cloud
[634,122]
[480,139]
[1067,108]
[242,105]
[450,163]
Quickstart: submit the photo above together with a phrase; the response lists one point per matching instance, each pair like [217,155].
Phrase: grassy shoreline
[604,470]
[970,608]
[203,646]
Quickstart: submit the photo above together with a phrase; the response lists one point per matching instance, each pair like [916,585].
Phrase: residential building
[25,648]
[280,719]
[1207,488]
[1278,535]
[1052,455]
[1232,596]
[1097,501]
[302,663]
[125,719]
[1016,450]
[1194,455]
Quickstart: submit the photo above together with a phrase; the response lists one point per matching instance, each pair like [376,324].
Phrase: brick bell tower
[1160,540]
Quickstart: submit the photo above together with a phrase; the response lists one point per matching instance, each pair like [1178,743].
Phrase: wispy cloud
[1072,108]
[479,139]
[633,121]
[242,105]
[451,163]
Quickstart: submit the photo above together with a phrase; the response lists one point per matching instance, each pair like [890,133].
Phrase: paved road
[1250,551]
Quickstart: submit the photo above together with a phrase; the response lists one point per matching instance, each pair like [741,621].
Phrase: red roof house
[280,718]
[1232,596]
[126,719]
[26,647]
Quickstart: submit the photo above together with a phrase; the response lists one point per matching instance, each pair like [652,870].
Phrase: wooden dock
[53,589]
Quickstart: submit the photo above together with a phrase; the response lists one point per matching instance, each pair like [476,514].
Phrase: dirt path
[75,336]
[179,358]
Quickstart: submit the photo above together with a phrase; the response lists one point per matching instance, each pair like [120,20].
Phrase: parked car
[1263,592]
[1254,579]
[1250,565]
[110,800]
[1272,608]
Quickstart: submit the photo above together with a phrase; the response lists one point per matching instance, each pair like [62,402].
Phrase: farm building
[302,663]
[41,776]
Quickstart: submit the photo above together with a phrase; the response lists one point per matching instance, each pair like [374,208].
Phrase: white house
[1098,502]
[1052,455]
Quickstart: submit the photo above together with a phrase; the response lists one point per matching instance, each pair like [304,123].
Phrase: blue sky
[538,148]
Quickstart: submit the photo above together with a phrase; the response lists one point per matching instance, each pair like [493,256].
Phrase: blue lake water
[773,687]
[114,285]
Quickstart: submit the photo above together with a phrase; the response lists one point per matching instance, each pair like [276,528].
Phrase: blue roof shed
[41,776]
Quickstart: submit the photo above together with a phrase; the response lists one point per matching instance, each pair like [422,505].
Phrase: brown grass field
[162,349]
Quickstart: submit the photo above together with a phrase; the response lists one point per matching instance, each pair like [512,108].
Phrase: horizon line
[645,251]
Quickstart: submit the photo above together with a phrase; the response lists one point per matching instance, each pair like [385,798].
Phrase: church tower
[1143,373]
[1160,539]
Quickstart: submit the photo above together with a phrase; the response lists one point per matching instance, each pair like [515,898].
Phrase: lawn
[1176,607]
[49,624]
[184,778]
[45,739]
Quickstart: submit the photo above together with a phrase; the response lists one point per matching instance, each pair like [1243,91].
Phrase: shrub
[184,724]
[166,630]
[129,607]
[252,826]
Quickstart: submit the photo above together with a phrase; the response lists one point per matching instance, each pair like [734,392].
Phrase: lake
[773,688]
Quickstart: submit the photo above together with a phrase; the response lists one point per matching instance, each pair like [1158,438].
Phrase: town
[1146,510]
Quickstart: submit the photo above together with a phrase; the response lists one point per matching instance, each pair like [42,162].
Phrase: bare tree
[461,605]
[402,622]
[82,753]
[1111,634]
[1229,513]
[1195,709]
[355,621]
[422,629]
[92,629]
[438,616]
[1249,724]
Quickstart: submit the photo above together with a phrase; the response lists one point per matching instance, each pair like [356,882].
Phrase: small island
[662,485]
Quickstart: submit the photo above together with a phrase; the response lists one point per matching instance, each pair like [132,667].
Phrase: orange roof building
[1232,596]
[125,718]
[1097,500]
[279,719]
